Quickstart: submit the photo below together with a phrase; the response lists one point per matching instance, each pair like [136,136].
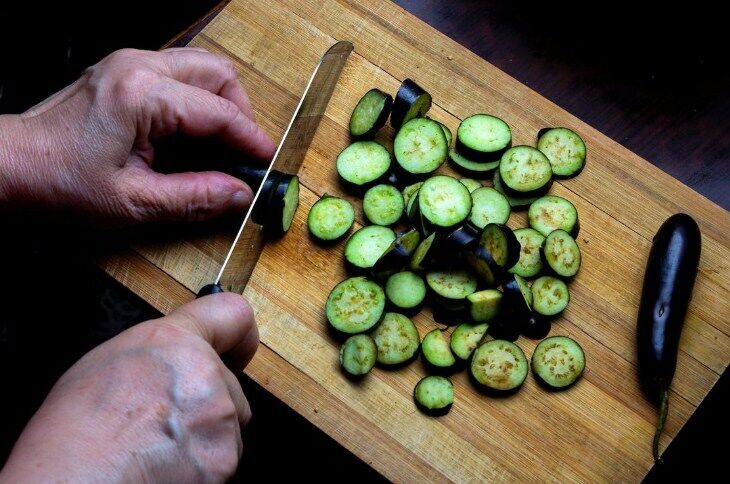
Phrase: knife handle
[209,289]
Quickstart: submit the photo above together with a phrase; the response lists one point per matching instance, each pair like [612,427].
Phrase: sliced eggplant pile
[443,242]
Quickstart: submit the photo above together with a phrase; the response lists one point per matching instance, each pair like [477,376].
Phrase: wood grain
[621,198]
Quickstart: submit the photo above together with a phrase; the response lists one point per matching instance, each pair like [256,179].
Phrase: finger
[211,72]
[175,106]
[175,49]
[225,321]
[190,196]
[243,409]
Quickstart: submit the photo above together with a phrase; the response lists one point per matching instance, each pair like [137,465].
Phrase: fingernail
[241,198]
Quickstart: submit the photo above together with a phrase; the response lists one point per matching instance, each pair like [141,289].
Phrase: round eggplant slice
[355,305]
[466,337]
[362,164]
[330,218]
[370,113]
[530,261]
[434,395]
[383,205]
[358,354]
[552,212]
[483,137]
[499,365]
[550,296]
[405,290]
[524,170]
[565,150]
[444,202]
[561,253]
[397,339]
[558,361]
[502,244]
[420,146]
[435,349]
[367,245]
[488,206]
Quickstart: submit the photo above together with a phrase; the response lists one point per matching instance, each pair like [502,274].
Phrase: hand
[86,151]
[153,404]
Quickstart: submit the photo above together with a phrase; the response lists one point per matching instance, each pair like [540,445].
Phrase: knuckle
[122,56]
[208,369]
[141,201]
[157,331]
[132,82]
[201,204]
[229,68]
[227,108]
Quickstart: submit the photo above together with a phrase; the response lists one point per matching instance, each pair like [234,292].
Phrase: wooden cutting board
[601,428]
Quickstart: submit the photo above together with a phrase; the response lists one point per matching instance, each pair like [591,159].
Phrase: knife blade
[246,247]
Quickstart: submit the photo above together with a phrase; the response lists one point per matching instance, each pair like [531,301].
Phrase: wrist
[15,149]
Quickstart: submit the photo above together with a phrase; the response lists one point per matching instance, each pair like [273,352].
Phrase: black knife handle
[210,289]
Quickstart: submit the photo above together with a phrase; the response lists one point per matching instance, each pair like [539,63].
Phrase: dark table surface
[654,80]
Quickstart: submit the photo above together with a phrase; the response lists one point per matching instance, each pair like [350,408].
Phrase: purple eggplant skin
[668,281]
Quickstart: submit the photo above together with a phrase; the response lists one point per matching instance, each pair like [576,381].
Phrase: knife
[243,254]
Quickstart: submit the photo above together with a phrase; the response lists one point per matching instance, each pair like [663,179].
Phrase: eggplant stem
[663,411]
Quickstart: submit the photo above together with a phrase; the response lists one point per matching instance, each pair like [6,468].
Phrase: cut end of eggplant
[411,101]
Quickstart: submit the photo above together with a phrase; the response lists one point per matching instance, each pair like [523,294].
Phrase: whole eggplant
[670,276]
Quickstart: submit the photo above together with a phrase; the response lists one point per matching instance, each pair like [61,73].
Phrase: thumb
[185,196]
[225,321]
